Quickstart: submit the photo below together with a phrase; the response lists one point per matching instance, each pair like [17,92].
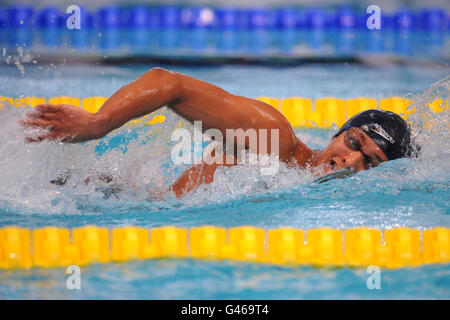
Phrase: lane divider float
[301,112]
[48,247]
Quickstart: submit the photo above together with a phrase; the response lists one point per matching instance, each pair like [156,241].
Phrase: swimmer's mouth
[326,168]
[340,174]
[330,168]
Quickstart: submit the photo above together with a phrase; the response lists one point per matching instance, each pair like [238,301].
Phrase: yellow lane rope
[58,247]
[301,112]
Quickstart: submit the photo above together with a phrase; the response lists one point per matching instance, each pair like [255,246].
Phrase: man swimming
[364,141]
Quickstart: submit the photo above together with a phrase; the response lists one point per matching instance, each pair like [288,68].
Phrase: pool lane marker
[50,247]
[300,112]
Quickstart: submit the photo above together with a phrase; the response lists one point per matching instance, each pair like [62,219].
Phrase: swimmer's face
[352,149]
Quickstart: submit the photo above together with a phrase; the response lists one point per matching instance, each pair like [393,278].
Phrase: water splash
[431,125]
[18,59]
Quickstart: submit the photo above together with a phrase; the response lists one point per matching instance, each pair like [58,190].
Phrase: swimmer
[364,141]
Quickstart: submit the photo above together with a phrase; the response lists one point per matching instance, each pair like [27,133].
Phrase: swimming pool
[398,193]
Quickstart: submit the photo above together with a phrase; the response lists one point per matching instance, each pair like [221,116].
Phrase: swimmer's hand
[63,122]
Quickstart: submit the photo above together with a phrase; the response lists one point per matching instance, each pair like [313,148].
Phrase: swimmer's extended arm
[191,98]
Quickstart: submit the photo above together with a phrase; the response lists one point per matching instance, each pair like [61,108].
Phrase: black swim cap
[388,130]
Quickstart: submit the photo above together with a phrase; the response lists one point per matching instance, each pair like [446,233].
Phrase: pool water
[404,192]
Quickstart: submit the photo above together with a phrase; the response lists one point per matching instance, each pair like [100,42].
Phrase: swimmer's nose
[353,160]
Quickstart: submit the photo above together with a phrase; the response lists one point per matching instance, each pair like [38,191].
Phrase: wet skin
[194,99]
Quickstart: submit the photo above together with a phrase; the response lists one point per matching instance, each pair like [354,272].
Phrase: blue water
[411,193]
